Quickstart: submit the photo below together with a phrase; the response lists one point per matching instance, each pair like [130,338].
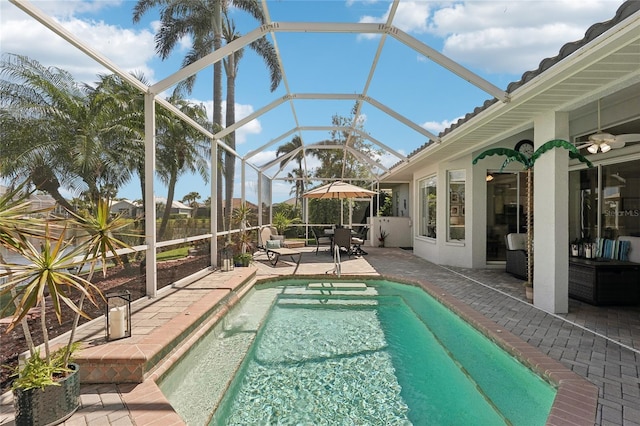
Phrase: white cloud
[131,50]
[411,16]
[438,126]
[500,36]
[512,37]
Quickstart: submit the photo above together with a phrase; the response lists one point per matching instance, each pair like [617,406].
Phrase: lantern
[226,260]
[118,315]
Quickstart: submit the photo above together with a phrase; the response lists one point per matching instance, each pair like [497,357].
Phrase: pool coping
[575,402]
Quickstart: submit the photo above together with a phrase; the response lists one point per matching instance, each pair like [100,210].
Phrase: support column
[551,216]
[149,201]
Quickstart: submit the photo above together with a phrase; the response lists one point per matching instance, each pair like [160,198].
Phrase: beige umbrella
[338,189]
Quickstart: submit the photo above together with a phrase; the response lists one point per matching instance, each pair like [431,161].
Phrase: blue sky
[496,40]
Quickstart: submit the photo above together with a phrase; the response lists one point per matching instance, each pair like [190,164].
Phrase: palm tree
[202,21]
[181,149]
[79,149]
[528,163]
[268,53]
[192,200]
[295,177]
[128,101]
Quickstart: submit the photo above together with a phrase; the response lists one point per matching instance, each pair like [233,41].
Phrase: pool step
[337,286]
[300,302]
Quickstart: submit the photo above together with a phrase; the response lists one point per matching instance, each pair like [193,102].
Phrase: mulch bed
[131,278]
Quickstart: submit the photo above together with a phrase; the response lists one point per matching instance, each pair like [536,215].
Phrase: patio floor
[600,344]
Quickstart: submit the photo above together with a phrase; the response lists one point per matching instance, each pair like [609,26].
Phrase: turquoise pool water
[385,354]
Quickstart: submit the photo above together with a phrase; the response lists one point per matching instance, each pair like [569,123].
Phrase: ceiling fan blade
[628,137]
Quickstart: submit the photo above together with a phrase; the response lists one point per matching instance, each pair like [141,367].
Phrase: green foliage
[243,259]
[281,221]
[38,373]
[52,264]
[387,205]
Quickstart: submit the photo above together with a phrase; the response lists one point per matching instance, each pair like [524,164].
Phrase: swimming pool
[372,352]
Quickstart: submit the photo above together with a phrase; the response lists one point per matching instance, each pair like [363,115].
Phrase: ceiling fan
[604,142]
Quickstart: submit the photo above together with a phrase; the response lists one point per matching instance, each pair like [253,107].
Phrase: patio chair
[358,239]
[342,241]
[517,255]
[320,240]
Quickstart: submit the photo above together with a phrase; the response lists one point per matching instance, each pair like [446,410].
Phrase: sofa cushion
[625,248]
[273,244]
[633,253]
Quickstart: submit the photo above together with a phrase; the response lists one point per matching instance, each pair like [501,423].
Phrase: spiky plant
[54,264]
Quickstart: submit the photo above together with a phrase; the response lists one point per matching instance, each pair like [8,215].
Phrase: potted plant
[47,387]
[242,259]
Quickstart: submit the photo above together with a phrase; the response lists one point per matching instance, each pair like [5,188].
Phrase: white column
[213,214]
[551,216]
[149,192]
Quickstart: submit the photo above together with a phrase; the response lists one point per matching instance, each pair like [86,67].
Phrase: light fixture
[489,177]
[600,141]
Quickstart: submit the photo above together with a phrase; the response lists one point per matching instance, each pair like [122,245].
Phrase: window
[615,213]
[428,207]
[456,204]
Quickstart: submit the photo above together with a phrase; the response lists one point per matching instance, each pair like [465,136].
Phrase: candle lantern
[226,259]
[118,315]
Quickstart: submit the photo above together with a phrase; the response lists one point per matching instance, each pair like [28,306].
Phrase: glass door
[506,208]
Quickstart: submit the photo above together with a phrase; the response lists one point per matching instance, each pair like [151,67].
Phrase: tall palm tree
[528,163]
[296,176]
[265,50]
[181,149]
[202,21]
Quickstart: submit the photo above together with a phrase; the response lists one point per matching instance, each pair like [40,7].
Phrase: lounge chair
[274,249]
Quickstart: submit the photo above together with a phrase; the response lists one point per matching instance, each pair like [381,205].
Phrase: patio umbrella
[338,189]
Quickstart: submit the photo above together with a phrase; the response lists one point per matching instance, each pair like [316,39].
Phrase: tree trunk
[217,95]
[230,159]
[167,208]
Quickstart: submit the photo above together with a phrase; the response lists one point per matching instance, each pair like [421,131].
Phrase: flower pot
[51,405]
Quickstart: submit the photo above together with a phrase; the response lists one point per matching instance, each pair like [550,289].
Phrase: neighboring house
[130,208]
[177,207]
[126,208]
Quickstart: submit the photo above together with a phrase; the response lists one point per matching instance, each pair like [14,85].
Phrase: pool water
[385,354]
